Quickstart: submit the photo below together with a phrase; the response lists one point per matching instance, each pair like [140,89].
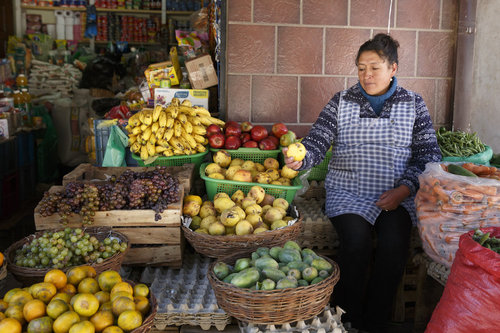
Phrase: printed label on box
[198,97]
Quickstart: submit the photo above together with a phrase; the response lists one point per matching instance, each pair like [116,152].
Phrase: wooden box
[157,243]
[87,173]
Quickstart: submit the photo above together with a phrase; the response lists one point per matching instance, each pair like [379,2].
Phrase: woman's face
[375,73]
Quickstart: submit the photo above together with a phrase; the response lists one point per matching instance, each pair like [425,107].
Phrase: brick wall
[287,58]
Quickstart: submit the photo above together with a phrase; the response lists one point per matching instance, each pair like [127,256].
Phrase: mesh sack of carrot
[455,198]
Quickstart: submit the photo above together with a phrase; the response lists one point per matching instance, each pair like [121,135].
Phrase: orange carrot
[449,208]
[471,209]
[488,190]
[441,194]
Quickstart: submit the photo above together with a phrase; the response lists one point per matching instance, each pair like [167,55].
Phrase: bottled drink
[22,81]
[18,99]
[27,105]
[184,84]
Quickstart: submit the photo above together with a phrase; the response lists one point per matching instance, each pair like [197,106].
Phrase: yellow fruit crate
[214,186]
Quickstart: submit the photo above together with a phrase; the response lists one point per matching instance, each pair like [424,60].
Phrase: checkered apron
[369,156]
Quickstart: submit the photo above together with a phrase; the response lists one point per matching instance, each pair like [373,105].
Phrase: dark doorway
[6,24]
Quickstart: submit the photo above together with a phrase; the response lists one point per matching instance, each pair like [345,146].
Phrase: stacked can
[114,28]
[102,28]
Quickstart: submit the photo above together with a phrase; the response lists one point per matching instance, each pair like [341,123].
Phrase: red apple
[232,142]
[246,126]
[244,137]
[251,144]
[216,140]
[275,140]
[267,144]
[233,130]
[213,129]
[288,138]
[279,129]
[231,123]
[258,133]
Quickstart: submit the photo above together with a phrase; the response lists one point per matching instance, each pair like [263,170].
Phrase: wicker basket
[147,323]
[223,246]
[272,307]
[28,276]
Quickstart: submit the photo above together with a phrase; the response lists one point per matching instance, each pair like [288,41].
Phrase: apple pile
[234,135]
[224,167]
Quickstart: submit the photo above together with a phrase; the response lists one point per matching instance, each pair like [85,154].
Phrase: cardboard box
[202,72]
[198,97]
[159,71]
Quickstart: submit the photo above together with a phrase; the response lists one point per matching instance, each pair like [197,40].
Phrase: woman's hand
[390,200]
[289,161]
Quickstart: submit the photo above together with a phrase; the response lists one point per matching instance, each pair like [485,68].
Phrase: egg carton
[319,233]
[327,321]
[184,295]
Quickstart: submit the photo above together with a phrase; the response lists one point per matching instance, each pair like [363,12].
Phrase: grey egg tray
[327,321]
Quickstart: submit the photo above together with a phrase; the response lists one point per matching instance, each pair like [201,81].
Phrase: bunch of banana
[178,129]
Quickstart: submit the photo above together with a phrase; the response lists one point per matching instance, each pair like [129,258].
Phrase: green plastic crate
[250,154]
[178,160]
[215,186]
[319,171]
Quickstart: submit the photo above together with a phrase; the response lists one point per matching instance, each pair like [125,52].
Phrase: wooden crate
[87,173]
[152,242]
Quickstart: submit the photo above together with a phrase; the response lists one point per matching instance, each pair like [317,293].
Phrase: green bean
[458,144]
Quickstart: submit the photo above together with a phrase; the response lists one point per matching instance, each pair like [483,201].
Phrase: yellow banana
[159,134]
[205,142]
[217,121]
[143,127]
[148,119]
[132,139]
[136,130]
[168,152]
[201,111]
[198,138]
[194,121]
[200,148]
[184,142]
[152,140]
[174,112]
[156,113]
[182,118]
[163,143]
[162,120]
[188,127]
[205,120]
[170,122]
[169,133]
[135,147]
[151,149]
[144,153]
[176,144]
[146,134]
[187,103]
[160,149]
[187,110]
[128,128]
[141,116]
[190,140]
[177,128]
[200,130]
[154,127]
[133,122]
[175,102]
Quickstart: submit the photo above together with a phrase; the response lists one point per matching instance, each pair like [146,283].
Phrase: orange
[122,286]
[88,285]
[62,296]
[63,323]
[141,289]
[8,295]
[90,271]
[43,291]
[141,304]
[3,305]
[15,312]
[122,304]
[106,306]
[121,294]
[40,325]
[102,319]
[102,296]
[85,304]
[84,326]
[108,279]
[56,307]
[112,329]
[33,309]
[20,297]
[9,325]
[76,275]
[129,320]
[1,259]
[56,277]
[68,289]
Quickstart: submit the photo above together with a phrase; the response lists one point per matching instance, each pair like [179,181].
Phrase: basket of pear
[274,285]
[227,174]
[240,223]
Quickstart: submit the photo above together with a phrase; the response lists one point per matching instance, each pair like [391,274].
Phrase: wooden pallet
[152,242]
[87,173]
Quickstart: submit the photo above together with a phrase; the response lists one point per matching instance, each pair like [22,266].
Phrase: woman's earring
[391,79]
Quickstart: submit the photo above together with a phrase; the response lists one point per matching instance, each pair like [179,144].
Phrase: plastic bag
[449,205]
[481,158]
[115,148]
[471,297]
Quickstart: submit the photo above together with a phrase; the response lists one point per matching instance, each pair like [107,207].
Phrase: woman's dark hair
[385,46]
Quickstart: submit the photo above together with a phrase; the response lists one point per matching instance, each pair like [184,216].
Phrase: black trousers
[369,276]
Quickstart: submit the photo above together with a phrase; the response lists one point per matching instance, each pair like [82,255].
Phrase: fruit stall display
[274,285]
[240,223]
[80,300]
[144,205]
